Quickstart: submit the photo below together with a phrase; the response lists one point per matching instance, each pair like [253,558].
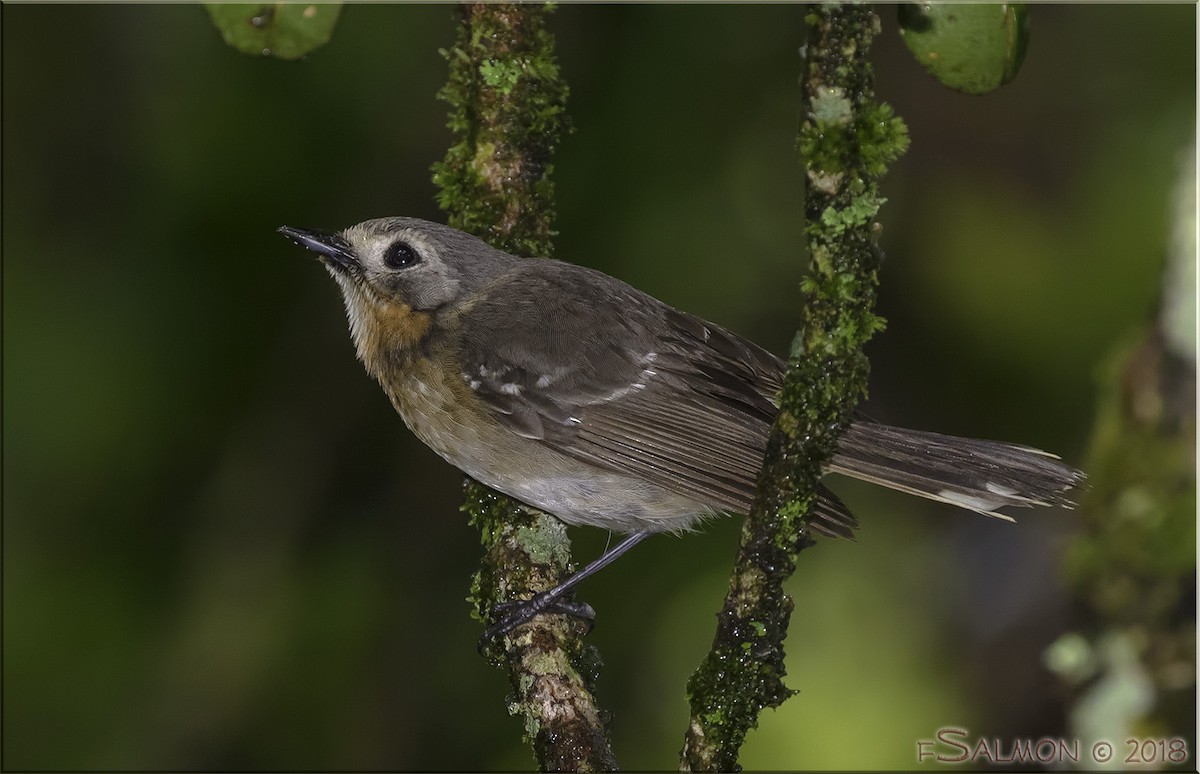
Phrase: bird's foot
[510,615]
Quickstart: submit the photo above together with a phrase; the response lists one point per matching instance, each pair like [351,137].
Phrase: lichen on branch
[846,141]
[507,113]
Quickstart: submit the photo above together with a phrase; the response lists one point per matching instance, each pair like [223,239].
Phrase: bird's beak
[330,246]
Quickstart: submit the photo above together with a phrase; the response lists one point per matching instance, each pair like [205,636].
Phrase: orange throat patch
[390,336]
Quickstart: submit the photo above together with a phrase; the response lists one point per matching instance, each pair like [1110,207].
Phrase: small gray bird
[593,401]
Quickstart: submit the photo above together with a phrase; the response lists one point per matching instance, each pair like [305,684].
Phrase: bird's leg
[518,612]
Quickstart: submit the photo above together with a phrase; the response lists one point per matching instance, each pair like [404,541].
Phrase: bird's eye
[400,255]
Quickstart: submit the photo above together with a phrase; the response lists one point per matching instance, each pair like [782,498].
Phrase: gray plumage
[594,401]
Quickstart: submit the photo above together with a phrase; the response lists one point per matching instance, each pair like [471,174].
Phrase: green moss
[845,142]
[787,423]
[507,106]
[508,110]
[507,113]
[858,212]
[501,76]
[882,137]
[792,511]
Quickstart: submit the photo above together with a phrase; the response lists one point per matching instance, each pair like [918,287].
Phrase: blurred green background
[222,549]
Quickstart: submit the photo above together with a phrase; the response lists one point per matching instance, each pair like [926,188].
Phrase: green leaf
[970,48]
[283,30]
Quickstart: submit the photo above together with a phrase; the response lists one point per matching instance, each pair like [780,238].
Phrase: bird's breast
[433,403]
[440,410]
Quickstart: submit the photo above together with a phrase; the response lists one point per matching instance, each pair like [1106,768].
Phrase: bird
[584,397]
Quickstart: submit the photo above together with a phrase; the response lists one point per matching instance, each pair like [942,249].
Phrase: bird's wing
[597,370]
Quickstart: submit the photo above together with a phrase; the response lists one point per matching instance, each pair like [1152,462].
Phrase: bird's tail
[978,475]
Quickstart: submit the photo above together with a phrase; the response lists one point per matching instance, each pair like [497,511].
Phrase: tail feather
[831,517]
[977,475]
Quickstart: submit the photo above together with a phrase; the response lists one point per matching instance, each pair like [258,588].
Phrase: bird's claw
[509,615]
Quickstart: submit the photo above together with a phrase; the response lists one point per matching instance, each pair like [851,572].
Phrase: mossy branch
[508,112]
[846,141]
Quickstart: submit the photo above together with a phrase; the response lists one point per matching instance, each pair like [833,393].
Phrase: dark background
[223,549]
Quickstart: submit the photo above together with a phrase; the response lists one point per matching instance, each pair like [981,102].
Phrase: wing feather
[598,371]
[605,374]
